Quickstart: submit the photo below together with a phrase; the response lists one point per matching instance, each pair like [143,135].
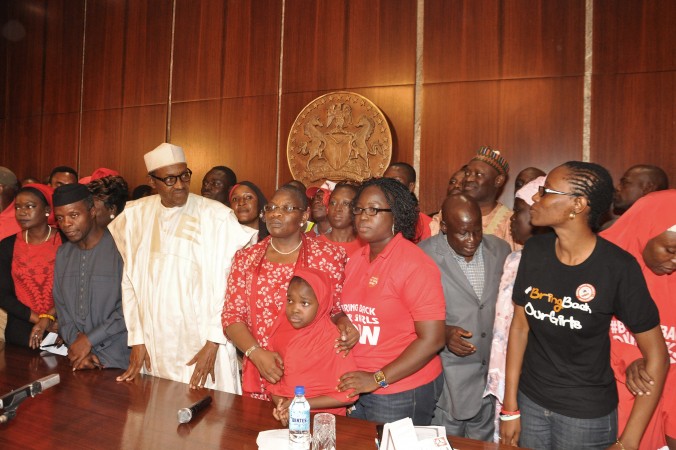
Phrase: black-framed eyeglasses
[543,191]
[356,210]
[284,209]
[172,179]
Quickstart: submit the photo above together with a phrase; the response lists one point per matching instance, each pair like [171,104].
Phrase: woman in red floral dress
[257,284]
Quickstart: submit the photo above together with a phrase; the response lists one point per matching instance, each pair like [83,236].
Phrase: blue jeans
[417,403]
[544,429]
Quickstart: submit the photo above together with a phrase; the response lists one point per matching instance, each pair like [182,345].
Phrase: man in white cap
[177,249]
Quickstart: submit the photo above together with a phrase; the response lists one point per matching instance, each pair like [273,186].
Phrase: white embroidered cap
[164,155]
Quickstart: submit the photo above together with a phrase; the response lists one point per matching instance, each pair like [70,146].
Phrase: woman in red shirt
[339,213]
[393,295]
[27,269]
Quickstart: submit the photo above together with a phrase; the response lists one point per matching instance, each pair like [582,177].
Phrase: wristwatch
[379,376]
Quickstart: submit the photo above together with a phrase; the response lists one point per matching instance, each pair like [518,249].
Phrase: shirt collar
[387,251]
[477,255]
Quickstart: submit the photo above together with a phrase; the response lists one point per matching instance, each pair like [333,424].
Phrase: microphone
[11,401]
[185,415]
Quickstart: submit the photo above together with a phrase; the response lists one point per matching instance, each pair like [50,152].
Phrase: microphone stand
[10,402]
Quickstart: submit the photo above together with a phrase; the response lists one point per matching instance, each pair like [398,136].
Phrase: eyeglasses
[284,209]
[543,191]
[356,210]
[172,179]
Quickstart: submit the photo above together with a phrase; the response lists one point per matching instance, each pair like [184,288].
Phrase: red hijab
[309,355]
[48,192]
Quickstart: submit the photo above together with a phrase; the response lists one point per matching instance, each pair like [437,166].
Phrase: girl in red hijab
[305,337]
[647,231]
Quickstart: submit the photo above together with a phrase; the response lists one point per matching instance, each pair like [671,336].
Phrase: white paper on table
[273,439]
[49,340]
[435,443]
[402,435]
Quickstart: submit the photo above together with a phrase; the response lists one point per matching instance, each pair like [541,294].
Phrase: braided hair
[593,182]
[401,201]
[111,190]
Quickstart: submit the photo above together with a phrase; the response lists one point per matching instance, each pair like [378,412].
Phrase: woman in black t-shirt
[560,392]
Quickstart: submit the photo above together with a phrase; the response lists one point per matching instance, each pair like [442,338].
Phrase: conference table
[90,410]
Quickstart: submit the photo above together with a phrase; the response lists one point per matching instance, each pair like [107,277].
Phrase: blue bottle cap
[300,390]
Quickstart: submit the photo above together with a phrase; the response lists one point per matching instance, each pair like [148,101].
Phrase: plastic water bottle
[299,421]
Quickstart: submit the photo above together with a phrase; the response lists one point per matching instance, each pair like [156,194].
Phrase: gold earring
[572,215]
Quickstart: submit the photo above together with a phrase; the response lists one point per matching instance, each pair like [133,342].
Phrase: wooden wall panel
[118,139]
[58,142]
[252,38]
[4,19]
[533,122]
[484,40]
[4,151]
[63,56]
[506,73]
[634,36]
[349,44]
[395,102]
[127,53]
[25,57]
[198,51]
[226,49]
[22,144]
[633,117]
[195,126]
[239,133]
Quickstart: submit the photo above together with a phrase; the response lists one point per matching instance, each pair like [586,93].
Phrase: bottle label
[299,420]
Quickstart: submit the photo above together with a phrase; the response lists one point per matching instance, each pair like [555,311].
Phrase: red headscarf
[48,192]
[309,355]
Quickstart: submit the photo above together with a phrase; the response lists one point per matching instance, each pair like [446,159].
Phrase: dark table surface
[89,409]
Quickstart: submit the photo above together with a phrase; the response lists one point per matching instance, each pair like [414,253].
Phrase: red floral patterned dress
[256,293]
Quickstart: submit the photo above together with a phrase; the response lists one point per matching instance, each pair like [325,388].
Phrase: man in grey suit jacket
[471,267]
[87,285]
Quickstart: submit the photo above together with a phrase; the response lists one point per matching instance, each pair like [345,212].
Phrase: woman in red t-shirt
[339,213]
[393,295]
[27,269]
